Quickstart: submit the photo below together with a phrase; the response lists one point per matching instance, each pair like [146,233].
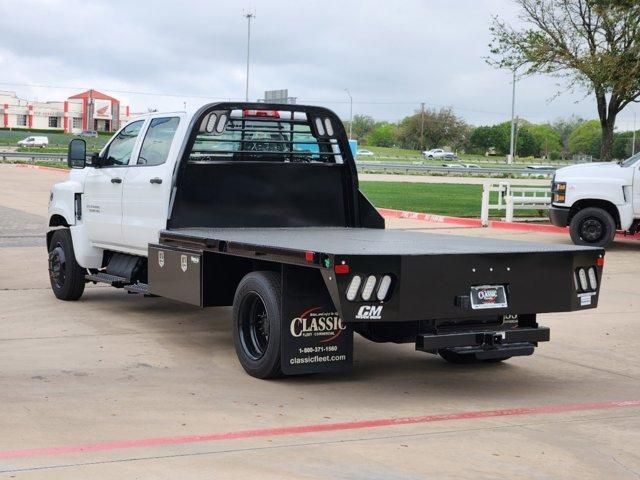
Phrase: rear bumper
[518,340]
[559,216]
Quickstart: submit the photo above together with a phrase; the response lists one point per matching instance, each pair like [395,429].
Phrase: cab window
[157,141]
[120,149]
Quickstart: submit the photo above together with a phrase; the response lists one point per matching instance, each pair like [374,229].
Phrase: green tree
[564,127]
[593,44]
[362,126]
[547,139]
[586,139]
[441,127]
[383,135]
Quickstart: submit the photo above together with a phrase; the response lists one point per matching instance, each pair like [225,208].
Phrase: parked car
[88,133]
[364,153]
[34,142]
[439,153]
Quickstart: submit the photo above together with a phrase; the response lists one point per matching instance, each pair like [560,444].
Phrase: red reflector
[309,256]
[341,269]
[261,113]
[600,262]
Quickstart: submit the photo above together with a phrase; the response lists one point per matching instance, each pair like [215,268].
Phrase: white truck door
[147,190]
[102,198]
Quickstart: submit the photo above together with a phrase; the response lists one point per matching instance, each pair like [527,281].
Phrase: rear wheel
[593,226]
[65,275]
[467,358]
[257,320]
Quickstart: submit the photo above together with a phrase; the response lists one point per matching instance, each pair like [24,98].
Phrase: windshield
[631,160]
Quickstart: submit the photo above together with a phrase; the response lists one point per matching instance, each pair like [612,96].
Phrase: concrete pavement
[139,376]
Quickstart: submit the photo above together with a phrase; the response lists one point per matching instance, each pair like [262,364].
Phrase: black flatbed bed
[360,241]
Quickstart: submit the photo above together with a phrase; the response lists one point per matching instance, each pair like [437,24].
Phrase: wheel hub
[592,230]
[254,326]
[57,266]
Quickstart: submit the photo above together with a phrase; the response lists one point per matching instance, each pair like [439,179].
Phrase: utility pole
[513,124]
[350,113]
[515,140]
[422,126]
[248,16]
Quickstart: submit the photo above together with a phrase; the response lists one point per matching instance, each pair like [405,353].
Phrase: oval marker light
[593,279]
[582,276]
[383,289]
[368,287]
[353,288]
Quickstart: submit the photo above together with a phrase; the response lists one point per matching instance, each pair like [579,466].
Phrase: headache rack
[269,133]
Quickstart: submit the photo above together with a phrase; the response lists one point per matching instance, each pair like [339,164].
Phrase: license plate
[488,296]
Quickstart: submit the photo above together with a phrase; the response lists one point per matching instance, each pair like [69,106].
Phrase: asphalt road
[117,386]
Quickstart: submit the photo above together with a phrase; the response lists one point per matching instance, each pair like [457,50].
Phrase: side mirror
[77,153]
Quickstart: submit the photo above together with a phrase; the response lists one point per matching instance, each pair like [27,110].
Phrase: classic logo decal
[369,312]
[161,258]
[489,295]
[317,324]
[183,263]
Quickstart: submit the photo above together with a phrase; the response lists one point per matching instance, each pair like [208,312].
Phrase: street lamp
[248,16]
[513,122]
[350,112]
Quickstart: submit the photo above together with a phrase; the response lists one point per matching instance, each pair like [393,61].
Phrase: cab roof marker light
[383,289]
[367,290]
[354,286]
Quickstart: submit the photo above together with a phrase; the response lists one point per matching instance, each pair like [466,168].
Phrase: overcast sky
[391,55]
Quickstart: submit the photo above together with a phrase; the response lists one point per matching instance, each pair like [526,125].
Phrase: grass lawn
[57,141]
[437,198]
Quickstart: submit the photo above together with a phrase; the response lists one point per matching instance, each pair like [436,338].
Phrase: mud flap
[314,338]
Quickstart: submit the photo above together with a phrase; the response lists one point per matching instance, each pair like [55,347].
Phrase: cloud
[390,55]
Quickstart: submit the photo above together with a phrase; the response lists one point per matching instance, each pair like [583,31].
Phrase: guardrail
[380,166]
[61,157]
[512,198]
[425,168]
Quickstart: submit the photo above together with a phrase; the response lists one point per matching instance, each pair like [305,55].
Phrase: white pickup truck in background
[596,199]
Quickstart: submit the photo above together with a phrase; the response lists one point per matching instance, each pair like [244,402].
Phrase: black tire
[65,275]
[257,320]
[466,358]
[592,226]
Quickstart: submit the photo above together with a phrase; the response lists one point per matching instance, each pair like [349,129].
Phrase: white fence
[512,198]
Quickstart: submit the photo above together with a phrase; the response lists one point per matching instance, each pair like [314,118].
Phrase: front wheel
[592,226]
[65,275]
[257,321]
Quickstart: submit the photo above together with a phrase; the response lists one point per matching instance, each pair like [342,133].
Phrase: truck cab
[597,199]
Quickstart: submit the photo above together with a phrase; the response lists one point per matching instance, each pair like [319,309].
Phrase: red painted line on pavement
[427,217]
[301,429]
[474,222]
[42,167]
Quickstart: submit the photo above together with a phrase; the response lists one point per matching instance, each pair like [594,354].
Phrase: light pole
[633,141]
[350,112]
[422,126]
[513,123]
[248,16]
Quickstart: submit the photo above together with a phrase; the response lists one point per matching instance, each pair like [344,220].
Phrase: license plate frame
[485,297]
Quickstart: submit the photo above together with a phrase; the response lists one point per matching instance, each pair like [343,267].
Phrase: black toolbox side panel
[176,273]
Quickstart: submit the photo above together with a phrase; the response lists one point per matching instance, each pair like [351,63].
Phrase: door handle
[116,180]
[156,180]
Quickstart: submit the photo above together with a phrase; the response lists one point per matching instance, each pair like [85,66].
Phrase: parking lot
[116,385]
